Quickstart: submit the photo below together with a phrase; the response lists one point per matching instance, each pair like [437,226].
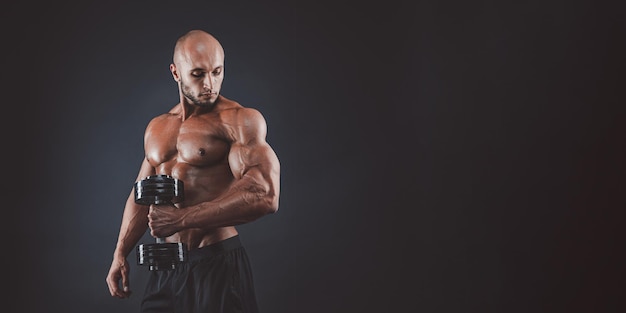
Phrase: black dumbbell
[160,189]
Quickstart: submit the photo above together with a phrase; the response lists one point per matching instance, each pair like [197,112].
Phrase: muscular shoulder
[246,123]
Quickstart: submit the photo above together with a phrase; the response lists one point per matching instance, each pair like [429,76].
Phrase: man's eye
[197,74]
[217,72]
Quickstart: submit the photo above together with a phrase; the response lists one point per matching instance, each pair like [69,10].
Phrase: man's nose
[208,82]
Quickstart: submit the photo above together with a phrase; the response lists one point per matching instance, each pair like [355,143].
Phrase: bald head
[196,42]
[198,68]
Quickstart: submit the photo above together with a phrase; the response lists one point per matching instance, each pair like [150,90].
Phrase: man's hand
[119,270]
[163,220]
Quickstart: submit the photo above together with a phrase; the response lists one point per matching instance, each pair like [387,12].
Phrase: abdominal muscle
[197,238]
[200,184]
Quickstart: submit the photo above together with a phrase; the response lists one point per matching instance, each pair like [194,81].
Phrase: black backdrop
[437,156]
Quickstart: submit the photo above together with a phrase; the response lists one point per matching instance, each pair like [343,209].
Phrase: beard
[194,99]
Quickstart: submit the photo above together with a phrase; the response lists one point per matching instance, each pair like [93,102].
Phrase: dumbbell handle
[158,201]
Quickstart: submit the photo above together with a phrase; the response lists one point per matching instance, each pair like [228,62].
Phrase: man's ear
[174,72]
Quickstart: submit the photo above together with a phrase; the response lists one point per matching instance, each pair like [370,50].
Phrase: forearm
[133,227]
[246,200]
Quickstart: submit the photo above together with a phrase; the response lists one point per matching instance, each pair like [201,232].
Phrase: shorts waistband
[214,248]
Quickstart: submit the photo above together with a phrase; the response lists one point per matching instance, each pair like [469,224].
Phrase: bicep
[250,155]
[257,157]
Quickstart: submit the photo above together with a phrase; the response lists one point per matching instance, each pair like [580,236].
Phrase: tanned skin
[216,147]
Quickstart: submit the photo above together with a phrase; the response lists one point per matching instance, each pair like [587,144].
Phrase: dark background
[437,156]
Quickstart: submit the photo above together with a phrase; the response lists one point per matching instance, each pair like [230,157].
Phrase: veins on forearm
[239,205]
[129,233]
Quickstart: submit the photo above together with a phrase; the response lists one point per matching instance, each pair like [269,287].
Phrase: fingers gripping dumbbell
[160,189]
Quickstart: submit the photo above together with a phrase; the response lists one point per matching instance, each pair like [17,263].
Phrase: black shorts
[216,279]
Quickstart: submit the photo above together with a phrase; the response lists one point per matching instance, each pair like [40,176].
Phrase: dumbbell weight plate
[161,256]
[157,189]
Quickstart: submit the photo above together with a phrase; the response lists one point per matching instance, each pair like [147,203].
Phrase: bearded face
[202,97]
